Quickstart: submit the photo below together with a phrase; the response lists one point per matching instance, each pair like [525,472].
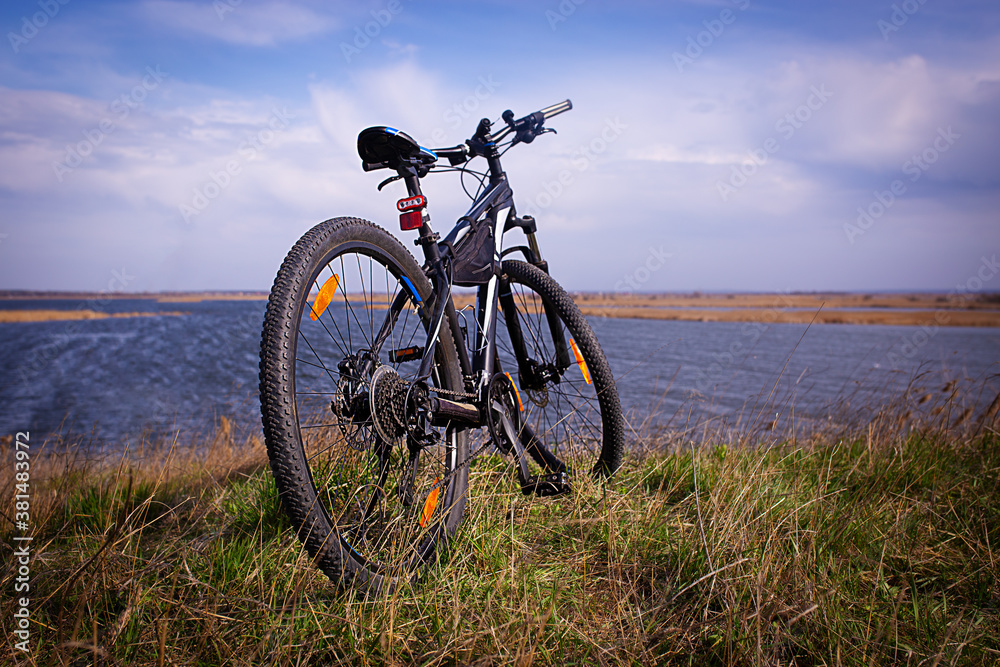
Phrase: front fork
[531,374]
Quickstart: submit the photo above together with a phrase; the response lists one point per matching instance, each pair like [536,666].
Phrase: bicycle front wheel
[340,349]
[568,393]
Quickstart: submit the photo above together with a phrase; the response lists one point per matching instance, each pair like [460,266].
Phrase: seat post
[410,174]
[411,178]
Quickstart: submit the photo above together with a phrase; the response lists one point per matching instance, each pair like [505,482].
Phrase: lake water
[118,379]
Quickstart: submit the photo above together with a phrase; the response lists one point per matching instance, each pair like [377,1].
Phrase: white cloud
[263,24]
[404,95]
[654,184]
[876,114]
[885,110]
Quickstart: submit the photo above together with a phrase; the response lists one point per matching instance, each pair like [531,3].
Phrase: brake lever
[388,181]
[530,134]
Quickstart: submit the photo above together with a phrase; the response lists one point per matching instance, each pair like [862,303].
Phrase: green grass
[876,547]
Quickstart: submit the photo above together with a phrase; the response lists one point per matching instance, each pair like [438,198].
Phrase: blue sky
[713,145]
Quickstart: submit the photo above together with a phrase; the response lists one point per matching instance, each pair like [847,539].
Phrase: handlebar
[525,129]
[530,126]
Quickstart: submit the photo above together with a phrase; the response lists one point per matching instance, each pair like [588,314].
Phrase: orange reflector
[430,504]
[325,297]
[516,392]
[579,360]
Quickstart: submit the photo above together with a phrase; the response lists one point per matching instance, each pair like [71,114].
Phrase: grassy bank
[874,547]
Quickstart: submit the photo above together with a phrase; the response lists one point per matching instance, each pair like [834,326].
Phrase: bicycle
[370,380]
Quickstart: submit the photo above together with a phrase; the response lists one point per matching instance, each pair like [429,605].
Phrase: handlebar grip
[556,109]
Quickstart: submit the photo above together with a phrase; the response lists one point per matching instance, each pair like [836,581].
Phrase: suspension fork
[509,309]
[513,322]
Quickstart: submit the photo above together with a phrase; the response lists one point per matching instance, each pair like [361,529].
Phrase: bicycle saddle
[382,146]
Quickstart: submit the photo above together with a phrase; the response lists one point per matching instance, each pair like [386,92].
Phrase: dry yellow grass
[55,315]
[885,309]
[954,318]
[812,301]
[834,308]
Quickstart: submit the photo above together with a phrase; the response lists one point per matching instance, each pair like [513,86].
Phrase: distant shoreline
[952,318]
[163,297]
[885,308]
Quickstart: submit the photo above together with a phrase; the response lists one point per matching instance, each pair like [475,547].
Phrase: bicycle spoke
[350,309]
[319,319]
[321,364]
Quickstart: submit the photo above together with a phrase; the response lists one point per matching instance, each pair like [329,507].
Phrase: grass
[876,545]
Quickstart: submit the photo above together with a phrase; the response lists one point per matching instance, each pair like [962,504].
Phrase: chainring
[501,392]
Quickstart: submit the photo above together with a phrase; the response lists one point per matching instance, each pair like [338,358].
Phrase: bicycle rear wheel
[338,354]
[570,401]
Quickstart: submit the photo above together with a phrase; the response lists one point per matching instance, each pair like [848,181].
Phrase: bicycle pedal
[552,484]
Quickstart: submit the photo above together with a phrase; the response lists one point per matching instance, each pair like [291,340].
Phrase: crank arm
[539,452]
[522,464]
[550,484]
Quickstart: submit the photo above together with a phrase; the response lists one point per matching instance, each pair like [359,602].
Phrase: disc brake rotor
[539,397]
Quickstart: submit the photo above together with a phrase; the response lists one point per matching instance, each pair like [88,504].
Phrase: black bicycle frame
[496,205]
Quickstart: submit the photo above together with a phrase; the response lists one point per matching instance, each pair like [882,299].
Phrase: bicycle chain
[470,455]
[452,392]
[387,404]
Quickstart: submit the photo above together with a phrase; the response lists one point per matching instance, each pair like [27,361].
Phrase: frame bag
[475,255]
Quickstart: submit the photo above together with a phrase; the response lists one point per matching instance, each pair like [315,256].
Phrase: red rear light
[411,203]
[411,214]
